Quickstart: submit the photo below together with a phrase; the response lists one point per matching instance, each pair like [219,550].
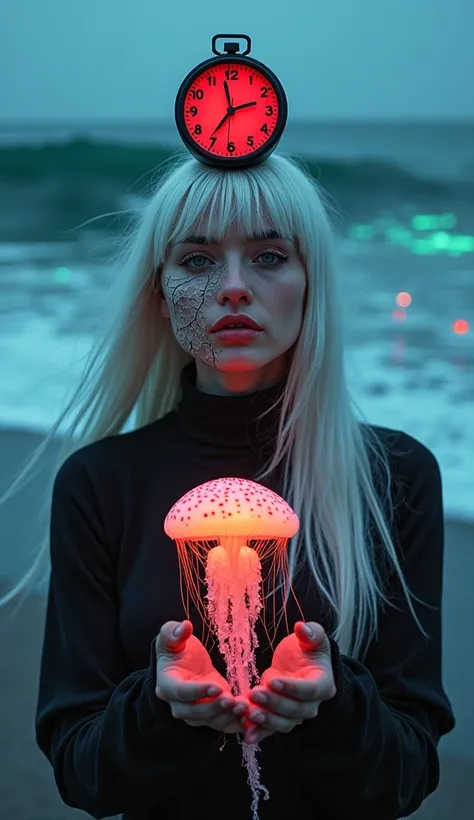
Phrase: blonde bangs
[225,198]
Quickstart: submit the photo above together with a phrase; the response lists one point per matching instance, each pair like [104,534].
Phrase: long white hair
[336,470]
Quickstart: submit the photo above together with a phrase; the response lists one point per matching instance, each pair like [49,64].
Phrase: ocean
[404,195]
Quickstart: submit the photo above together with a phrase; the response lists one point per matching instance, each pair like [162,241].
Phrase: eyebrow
[212,240]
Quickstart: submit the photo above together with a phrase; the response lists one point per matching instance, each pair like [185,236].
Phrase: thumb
[312,637]
[172,637]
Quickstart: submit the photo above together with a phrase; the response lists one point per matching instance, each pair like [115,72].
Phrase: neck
[221,424]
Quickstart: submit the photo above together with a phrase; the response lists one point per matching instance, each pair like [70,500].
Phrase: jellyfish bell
[231,507]
[236,515]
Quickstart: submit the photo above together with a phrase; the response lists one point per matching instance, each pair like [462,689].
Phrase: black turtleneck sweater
[370,754]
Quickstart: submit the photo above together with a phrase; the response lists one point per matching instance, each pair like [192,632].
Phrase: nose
[234,287]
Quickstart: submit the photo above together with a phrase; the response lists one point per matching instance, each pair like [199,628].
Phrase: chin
[238,363]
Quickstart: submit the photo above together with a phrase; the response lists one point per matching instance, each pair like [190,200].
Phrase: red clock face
[231,110]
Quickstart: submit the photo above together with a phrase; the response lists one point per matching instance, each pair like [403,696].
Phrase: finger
[172,637]
[206,710]
[283,707]
[310,634]
[172,689]
[298,689]
[241,707]
[202,714]
[197,692]
[317,688]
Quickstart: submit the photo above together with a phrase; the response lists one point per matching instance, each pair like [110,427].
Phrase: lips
[231,320]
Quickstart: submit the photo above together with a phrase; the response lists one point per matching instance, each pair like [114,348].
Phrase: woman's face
[261,278]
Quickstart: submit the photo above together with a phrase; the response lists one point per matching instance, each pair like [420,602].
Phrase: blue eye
[279,256]
[190,257]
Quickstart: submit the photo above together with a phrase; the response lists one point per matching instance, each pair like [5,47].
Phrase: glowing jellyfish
[230,526]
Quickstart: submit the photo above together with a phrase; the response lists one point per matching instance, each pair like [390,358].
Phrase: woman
[132,709]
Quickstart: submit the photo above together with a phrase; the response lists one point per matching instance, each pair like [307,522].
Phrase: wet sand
[27,789]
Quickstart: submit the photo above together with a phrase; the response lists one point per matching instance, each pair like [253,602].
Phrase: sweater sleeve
[114,746]
[371,752]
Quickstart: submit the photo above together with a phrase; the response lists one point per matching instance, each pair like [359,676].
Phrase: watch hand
[228,127]
[245,105]
[227,93]
[229,113]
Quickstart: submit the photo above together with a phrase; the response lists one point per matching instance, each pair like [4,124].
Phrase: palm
[193,663]
[290,661]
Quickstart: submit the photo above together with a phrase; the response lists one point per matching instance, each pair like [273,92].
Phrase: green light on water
[420,223]
[441,240]
[62,275]
[448,221]
[462,244]
[426,234]
[436,222]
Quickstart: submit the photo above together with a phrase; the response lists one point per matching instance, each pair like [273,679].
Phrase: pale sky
[108,60]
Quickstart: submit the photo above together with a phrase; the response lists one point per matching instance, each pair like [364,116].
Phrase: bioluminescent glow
[230,526]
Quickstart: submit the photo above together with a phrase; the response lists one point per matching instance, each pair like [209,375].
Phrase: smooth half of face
[260,277]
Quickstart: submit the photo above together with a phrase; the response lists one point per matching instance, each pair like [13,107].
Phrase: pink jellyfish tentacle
[234,606]
[249,606]
[219,608]
[233,579]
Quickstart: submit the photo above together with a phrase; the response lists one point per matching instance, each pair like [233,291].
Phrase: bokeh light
[460,326]
[62,275]
[403,299]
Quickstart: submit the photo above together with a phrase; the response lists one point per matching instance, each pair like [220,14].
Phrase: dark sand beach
[27,790]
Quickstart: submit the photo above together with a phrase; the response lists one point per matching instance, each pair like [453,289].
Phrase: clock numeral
[250,141]
[264,128]
[268,110]
[213,140]
[197,94]
[211,80]
[193,110]
[232,74]
[197,129]
[230,147]
[251,79]
[264,91]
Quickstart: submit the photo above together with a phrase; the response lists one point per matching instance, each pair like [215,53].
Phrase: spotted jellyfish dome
[231,506]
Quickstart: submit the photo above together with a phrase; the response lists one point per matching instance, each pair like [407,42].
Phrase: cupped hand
[302,665]
[187,680]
